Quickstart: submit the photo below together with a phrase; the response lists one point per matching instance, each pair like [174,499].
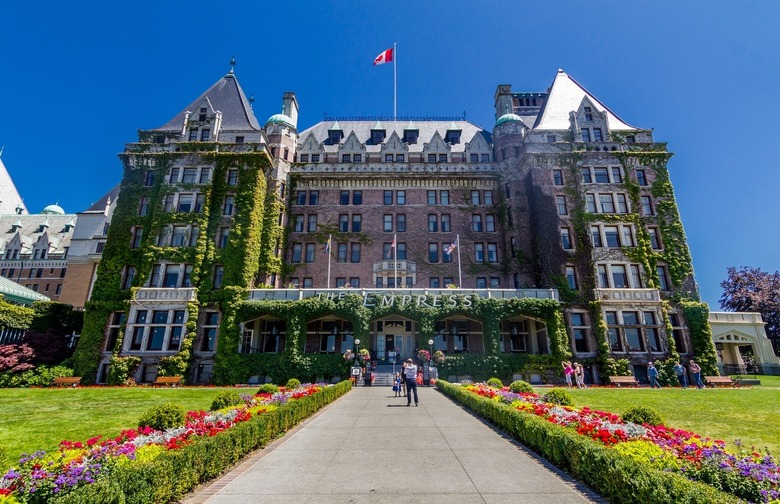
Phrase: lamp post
[430,357]
[357,363]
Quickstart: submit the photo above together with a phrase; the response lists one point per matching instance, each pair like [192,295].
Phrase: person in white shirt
[410,377]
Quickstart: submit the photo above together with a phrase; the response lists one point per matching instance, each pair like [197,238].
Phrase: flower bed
[148,465]
[622,461]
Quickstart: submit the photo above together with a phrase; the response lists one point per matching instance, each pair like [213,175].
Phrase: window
[479,252]
[304,158]
[297,249]
[652,332]
[143,207]
[603,277]
[595,237]
[566,239]
[636,277]
[400,223]
[357,223]
[590,203]
[444,197]
[586,178]
[445,223]
[611,236]
[345,158]
[485,158]
[193,136]
[189,175]
[641,178]
[401,251]
[490,223]
[473,158]
[442,158]
[433,252]
[495,282]
[355,255]
[560,204]
[579,332]
[179,236]
[433,283]
[354,282]
[571,277]
[387,197]
[431,197]
[343,223]
[622,203]
[232,177]
[314,197]
[475,198]
[647,206]
[171,277]
[433,224]
[619,278]
[655,241]
[513,246]
[588,114]
[606,203]
[315,158]
[400,197]
[344,198]
[481,283]
[445,257]
[184,203]
[300,198]
[677,332]
[388,158]
[224,234]
[129,276]
[341,282]
[298,223]
[387,223]
[204,134]
[379,282]
[210,328]
[219,273]
[452,136]
[633,334]
[431,158]
[585,135]
[174,176]
[476,223]
[488,197]
[399,158]
[557,177]
[138,233]
[310,249]
[227,208]
[492,250]
[357,197]
[341,256]
[308,282]
[410,136]
[311,226]
[628,237]
[617,175]
[601,175]
[663,283]
[597,135]
[377,136]
[613,332]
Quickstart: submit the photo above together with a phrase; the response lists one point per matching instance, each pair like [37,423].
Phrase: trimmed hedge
[616,477]
[173,473]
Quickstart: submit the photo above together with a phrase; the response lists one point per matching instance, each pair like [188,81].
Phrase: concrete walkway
[369,447]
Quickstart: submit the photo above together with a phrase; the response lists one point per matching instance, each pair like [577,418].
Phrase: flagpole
[395,85]
[395,260]
[460,278]
[330,243]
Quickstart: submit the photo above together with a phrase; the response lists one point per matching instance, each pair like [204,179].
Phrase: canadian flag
[384,57]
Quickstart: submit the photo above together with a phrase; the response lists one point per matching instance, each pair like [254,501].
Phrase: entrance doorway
[395,338]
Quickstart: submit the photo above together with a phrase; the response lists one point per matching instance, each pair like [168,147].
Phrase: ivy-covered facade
[242,253]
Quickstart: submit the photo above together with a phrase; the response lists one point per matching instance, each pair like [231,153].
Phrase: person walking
[410,376]
[696,371]
[568,370]
[652,375]
[679,370]
[579,375]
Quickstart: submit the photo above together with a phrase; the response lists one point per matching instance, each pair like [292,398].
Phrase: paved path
[368,447]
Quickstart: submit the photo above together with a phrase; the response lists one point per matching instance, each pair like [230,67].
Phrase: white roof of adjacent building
[565,96]
[9,196]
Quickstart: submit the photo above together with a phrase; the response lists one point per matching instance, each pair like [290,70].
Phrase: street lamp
[430,357]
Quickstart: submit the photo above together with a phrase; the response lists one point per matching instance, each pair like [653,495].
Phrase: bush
[293,383]
[163,416]
[559,396]
[41,376]
[520,386]
[643,415]
[495,383]
[226,399]
[268,388]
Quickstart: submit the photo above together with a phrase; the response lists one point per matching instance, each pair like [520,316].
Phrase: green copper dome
[53,210]
[508,118]
[280,119]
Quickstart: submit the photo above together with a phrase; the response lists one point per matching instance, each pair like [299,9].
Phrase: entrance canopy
[732,330]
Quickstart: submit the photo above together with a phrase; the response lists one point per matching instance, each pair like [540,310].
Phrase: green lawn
[38,419]
[748,413]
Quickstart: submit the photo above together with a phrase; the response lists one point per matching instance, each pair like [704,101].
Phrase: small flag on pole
[326,249]
[449,250]
[390,250]
[384,57]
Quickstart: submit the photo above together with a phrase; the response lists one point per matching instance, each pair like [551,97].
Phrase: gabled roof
[225,96]
[100,205]
[16,293]
[565,96]
[9,196]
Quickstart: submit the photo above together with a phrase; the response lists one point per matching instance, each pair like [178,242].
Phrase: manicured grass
[38,419]
[748,413]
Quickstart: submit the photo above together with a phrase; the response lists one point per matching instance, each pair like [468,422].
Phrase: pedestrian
[679,370]
[397,384]
[579,375]
[568,370]
[410,376]
[696,371]
[652,375]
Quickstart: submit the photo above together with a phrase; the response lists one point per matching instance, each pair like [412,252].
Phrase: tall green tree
[753,290]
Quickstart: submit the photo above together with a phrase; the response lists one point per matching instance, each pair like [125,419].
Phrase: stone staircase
[383,375]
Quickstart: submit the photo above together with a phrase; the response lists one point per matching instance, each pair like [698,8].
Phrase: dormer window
[588,114]
[410,136]
[335,136]
[204,134]
[377,136]
[452,137]
[201,117]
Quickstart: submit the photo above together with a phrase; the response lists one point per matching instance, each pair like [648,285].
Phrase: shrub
[559,396]
[519,386]
[41,376]
[293,383]
[226,399]
[163,416]
[643,415]
[268,388]
[495,382]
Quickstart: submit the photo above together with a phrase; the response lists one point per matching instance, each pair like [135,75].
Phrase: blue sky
[80,78]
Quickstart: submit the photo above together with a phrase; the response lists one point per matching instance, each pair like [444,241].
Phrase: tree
[752,290]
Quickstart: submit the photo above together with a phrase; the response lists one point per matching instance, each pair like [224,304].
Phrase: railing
[736,317]
[298,294]
[162,294]
[628,295]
